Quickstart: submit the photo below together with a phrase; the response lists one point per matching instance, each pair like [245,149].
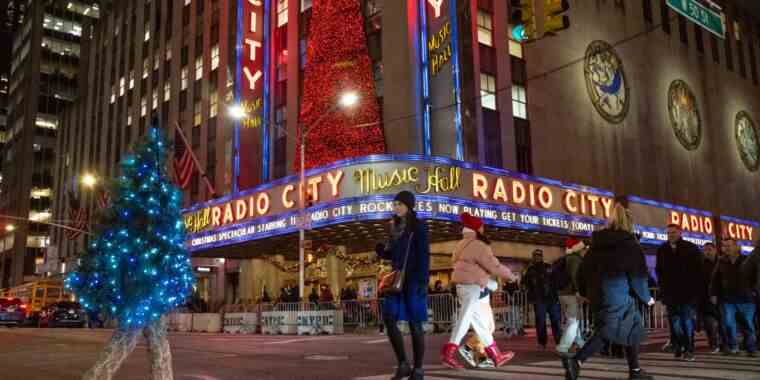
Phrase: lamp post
[346,100]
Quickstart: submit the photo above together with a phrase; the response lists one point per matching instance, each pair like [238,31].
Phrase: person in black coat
[679,271]
[543,297]
[709,314]
[409,236]
[612,274]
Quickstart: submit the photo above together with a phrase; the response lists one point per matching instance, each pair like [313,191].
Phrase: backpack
[559,276]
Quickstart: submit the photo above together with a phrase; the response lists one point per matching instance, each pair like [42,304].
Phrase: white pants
[473,313]
[572,331]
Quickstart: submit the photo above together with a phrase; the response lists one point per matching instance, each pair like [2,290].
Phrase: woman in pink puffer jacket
[474,265]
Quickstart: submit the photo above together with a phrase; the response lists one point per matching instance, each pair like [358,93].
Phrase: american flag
[77,218]
[183,163]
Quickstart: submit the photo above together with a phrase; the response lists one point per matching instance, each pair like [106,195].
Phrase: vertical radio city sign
[251,133]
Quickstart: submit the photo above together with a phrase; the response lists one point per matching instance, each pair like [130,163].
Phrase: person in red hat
[474,265]
[566,269]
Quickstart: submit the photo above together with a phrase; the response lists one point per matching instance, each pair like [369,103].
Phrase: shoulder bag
[392,283]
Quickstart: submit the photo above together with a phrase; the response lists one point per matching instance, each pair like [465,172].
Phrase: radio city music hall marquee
[363,189]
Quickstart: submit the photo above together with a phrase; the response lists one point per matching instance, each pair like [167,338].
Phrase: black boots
[402,372]
[418,374]
[572,367]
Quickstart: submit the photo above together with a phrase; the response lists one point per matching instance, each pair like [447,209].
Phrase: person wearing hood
[474,264]
[408,245]
[612,274]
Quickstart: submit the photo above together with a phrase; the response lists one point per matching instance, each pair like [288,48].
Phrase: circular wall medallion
[747,140]
[605,81]
[684,114]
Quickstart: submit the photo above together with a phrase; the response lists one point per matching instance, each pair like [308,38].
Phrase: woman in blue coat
[613,276]
[407,232]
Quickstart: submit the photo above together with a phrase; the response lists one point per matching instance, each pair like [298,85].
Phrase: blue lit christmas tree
[136,268]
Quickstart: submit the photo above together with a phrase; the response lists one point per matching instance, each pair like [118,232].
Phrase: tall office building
[43,80]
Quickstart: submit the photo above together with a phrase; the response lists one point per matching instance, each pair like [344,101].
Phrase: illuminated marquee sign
[363,189]
[439,48]
[745,232]
[251,141]
[652,218]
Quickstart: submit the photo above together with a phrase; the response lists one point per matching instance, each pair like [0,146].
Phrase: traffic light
[554,20]
[523,18]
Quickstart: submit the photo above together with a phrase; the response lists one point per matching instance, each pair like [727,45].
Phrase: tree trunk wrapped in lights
[136,268]
[337,60]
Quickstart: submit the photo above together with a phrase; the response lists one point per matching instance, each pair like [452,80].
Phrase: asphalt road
[62,354]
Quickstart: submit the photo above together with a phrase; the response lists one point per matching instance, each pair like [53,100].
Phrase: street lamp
[10,228]
[346,100]
[89,180]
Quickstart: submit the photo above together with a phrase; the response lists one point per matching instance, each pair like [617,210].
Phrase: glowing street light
[10,228]
[89,180]
[237,112]
[349,99]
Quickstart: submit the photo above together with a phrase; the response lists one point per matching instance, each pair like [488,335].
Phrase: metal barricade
[443,310]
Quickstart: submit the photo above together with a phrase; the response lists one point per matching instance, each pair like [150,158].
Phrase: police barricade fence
[207,322]
[280,318]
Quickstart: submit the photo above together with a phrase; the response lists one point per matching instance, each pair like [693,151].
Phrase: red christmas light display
[338,61]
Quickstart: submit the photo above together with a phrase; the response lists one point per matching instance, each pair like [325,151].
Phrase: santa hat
[573,245]
[472,222]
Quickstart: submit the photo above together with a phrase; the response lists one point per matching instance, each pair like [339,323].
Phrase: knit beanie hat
[573,245]
[472,222]
[407,198]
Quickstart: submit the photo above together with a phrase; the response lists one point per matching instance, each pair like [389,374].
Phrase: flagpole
[48,223]
[195,159]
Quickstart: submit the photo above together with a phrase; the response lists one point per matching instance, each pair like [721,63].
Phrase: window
[515,49]
[519,102]
[488,91]
[168,52]
[113,94]
[184,78]
[214,57]
[485,28]
[131,79]
[715,50]
[737,31]
[129,119]
[155,99]
[698,39]
[282,12]
[665,16]
[187,2]
[143,107]
[147,32]
[197,118]
[122,85]
[305,4]
[682,31]
[199,68]
[647,11]
[156,63]
[213,104]
[146,67]
[167,91]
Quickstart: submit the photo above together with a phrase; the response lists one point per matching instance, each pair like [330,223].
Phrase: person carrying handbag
[474,264]
[404,290]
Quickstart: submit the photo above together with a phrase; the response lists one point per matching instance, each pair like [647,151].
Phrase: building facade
[537,137]
[43,80]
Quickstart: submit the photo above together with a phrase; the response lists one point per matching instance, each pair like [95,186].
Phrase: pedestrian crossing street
[662,366]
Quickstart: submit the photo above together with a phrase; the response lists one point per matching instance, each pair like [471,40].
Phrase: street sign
[711,20]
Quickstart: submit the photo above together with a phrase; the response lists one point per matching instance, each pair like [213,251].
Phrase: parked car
[12,312]
[63,314]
